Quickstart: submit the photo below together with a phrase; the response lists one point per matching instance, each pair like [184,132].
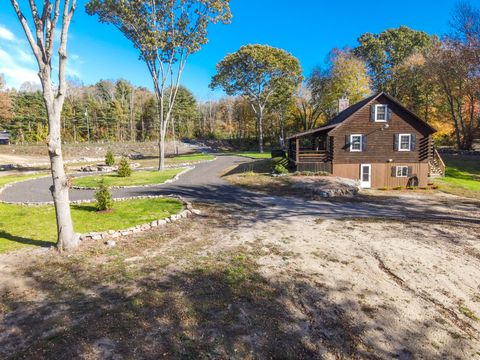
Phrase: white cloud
[18,63]
[6,34]
[15,72]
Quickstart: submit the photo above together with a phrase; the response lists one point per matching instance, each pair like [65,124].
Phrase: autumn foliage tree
[258,72]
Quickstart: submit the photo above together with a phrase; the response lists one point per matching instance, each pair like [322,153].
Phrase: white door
[366,176]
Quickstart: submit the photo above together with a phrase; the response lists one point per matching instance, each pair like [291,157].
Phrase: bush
[279,165]
[109,159]
[124,169]
[103,197]
[280,169]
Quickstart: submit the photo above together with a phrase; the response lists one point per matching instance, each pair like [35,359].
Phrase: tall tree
[42,42]
[347,77]
[258,72]
[383,52]
[166,32]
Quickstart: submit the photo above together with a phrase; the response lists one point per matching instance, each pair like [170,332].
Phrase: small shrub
[124,169]
[103,196]
[383,188]
[109,158]
[397,188]
[280,169]
[434,187]
[411,188]
[279,165]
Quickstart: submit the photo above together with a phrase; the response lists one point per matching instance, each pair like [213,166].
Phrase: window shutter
[347,142]
[410,171]
[372,112]
[396,142]
[394,171]
[389,114]
[364,142]
[413,138]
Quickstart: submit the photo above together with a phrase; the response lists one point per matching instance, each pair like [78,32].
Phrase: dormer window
[381,112]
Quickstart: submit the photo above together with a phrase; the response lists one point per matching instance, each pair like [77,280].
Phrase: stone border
[169,181]
[187,211]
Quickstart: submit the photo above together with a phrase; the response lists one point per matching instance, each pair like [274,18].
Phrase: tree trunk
[67,239]
[260,129]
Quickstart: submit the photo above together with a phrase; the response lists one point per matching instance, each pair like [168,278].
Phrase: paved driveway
[205,184]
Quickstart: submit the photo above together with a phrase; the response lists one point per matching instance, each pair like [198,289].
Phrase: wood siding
[380,140]
[382,173]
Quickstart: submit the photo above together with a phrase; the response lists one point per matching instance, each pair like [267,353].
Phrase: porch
[310,152]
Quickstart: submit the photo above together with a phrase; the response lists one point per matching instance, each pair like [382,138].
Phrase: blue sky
[308,29]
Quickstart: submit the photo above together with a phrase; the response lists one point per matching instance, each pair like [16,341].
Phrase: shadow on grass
[23,240]
[257,166]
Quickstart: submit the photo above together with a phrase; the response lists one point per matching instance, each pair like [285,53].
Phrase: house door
[366,176]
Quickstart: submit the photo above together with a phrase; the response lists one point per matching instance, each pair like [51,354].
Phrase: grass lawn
[138,178]
[4,180]
[462,176]
[252,154]
[35,225]
[188,158]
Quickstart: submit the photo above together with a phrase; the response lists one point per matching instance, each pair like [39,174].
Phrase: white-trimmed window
[401,171]
[405,142]
[381,112]
[356,142]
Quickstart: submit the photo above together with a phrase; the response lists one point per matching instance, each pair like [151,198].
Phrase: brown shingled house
[376,141]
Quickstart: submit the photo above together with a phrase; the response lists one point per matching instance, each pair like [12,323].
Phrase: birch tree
[166,32]
[258,72]
[42,42]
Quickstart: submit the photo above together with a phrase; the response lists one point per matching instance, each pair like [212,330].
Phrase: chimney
[343,103]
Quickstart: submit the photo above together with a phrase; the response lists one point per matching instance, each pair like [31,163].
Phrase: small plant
[109,158]
[383,189]
[280,169]
[124,169]
[397,188]
[103,197]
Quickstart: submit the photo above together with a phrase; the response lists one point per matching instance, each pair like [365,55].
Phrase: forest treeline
[436,77]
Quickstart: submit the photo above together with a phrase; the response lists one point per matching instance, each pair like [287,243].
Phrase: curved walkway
[204,184]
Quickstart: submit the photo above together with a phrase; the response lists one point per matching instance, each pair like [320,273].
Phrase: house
[4,138]
[377,141]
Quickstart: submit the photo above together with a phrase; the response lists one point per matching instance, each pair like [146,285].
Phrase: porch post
[297,153]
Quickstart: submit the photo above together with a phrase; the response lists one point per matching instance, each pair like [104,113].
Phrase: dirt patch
[235,283]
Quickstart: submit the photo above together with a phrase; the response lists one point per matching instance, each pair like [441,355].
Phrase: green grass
[189,158]
[462,176]
[22,226]
[252,154]
[4,180]
[138,178]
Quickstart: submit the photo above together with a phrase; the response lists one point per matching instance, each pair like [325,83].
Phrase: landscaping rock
[110,243]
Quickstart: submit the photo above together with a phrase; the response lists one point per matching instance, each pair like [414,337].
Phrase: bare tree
[42,43]
[166,33]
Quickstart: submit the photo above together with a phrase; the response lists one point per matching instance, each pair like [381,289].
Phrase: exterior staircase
[436,166]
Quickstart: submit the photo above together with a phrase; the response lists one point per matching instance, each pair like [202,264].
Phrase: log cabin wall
[380,140]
